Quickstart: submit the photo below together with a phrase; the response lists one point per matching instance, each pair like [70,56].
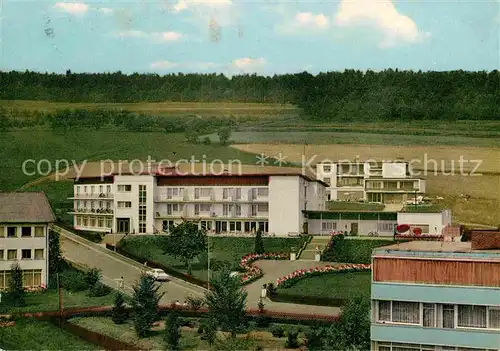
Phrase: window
[448,316]
[237,210]
[26,231]
[225,193]
[384,311]
[327,180]
[32,278]
[174,208]
[11,232]
[101,222]
[124,204]
[202,192]
[77,190]
[124,188]
[26,254]
[385,227]
[237,193]
[79,221]
[38,254]
[2,232]
[262,192]
[206,225]
[226,209]
[85,221]
[263,208]
[12,255]
[327,168]
[108,189]
[1,255]
[85,189]
[406,312]
[109,223]
[471,316]
[328,225]
[232,226]
[4,279]
[92,205]
[494,317]
[238,226]
[429,315]
[100,204]
[201,208]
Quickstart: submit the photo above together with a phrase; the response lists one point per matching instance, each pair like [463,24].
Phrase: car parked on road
[158,274]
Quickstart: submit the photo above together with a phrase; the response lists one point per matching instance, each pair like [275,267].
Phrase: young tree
[16,293]
[186,241]
[56,262]
[352,330]
[119,313]
[227,301]
[259,243]
[92,277]
[224,134]
[210,331]
[145,305]
[172,333]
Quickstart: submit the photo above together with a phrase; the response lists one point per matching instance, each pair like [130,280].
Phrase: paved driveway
[114,266]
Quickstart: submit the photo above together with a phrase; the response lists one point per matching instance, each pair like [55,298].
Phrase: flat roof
[429,249]
[28,207]
[95,170]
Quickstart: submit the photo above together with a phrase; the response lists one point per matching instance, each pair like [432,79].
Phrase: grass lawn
[77,146]
[30,334]
[224,249]
[335,285]
[190,339]
[353,206]
[353,250]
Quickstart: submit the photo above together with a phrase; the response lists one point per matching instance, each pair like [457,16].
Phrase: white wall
[394,169]
[133,196]
[285,207]
[316,196]
[364,226]
[435,221]
[20,243]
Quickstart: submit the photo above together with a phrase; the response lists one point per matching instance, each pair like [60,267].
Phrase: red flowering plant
[294,277]
[252,272]
[36,289]
[425,237]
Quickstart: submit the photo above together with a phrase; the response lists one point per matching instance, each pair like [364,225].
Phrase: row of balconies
[232,197]
[94,210]
[93,196]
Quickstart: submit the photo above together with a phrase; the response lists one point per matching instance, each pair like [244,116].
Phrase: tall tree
[186,241]
[145,305]
[224,134]
[227,301]
[16,293]
[56,262]
[352,330]
[119,313]
[172,332]
[259,243]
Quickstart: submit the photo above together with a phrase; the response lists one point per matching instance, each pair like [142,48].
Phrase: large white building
[271,199]
[24,224]
[383,182]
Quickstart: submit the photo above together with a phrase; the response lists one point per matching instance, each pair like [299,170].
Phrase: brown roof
[29,207]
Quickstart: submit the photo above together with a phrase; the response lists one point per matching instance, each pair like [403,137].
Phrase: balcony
[101,196]
[93,211]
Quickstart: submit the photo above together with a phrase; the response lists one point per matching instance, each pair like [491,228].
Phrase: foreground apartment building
[384,181]
[24,225]
[249,198]
[437,295]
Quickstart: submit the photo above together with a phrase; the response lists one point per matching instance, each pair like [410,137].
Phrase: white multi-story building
[382,182]
[24,225]
[271,199]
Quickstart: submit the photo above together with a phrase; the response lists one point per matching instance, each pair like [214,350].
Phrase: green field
[228,250]
[30,334]
[335,285]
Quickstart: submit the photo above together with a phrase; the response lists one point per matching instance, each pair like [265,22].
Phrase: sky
[253,36]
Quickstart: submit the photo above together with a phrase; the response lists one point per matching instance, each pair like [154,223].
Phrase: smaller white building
[24,229]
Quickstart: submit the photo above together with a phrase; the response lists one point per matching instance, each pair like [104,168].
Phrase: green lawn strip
[337,285]
[224,249]
[30,334]
[353,250]
[353,206]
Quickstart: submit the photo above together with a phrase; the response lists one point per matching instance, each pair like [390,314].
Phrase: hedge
[351,250]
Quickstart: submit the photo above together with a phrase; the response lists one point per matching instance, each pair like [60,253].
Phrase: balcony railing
[93,211]
[94,196]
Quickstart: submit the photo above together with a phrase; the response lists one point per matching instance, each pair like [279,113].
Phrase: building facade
[381,223]
[152,202]
[24,225]
[435,296]
[383,182]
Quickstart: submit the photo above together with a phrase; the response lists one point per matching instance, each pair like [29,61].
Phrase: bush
[92,277]
[98,290]
[314,339]
[207,141]
[352,251]
[194,303]
[73,281]
[292,341]
[263,321]
[119,313]
[277,331]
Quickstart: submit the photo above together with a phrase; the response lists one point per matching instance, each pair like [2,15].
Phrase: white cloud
[381,15]
[305,22]
[154,36]
[203,11]
[248,65]
[105,10]
[163,65]
[168,65]
[74,8]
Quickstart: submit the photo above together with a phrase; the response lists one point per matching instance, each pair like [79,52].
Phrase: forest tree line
[349,95]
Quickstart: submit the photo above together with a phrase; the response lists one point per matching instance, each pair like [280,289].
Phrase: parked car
[158,274]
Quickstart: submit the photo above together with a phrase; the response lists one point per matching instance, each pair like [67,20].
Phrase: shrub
[92,277]
[207,141]
[194,303]
[98,290]
[277,331]
[16,293]
[263,321]
[73,281]
[172,333]
[119,313]
[314,339]
[292,341]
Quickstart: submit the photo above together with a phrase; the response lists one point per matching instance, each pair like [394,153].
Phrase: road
[113,266]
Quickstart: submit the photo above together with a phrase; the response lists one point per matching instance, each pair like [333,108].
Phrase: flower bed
[253,272]
[420,237]
[300,274]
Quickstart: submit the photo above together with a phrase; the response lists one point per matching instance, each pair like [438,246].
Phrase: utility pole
[61,303]
[208,254]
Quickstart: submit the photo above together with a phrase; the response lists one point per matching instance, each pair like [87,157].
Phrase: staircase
[310,250]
